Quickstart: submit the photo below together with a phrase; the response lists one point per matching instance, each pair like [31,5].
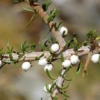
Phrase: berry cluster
[74,59]
[44,62]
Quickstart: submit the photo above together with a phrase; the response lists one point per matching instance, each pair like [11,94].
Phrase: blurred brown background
[79,16]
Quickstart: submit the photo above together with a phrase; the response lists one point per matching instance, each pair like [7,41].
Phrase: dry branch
[31,56]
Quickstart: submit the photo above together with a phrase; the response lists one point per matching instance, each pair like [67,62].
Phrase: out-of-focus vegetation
[79,16]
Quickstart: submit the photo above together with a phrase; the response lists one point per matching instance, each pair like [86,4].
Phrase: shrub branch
[45,17]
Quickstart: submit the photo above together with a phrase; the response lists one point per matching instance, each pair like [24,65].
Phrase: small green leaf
[85,43]
[52,87]
[65,94]
[37,58]
[64,35]
[75,44]
[46,35]
[49,75]
[53,40]
[67,79]
[92,33]
[47,88]
[67,69]
[63,88]
[46,4]
[19,57]
[10,56]
[68,43]
[8,44]
[8,62]
[24,47]
[41,55]
[62,57]
[33,46]
[46,43]
[75,41]
[30,20]
[78,69]
[52,15]
[27,9]
[10,50]
[57,25]
[42,46]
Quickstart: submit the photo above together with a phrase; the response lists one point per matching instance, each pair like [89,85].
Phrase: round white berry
[63,31]
[48,67]
[46,88]
[66,63]
[74,59]
[55,47]
[95,58]
[0,63]
[42,61]
[26,66]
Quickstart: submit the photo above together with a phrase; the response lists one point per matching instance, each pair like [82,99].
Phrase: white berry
[66,63]
[26,66]
[42,61]
[63,31]
[74,59]
[48,67]
[55,47]
[95,58]
[0,63]
[45,88]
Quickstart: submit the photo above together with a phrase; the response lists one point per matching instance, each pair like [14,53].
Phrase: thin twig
[87,63]
[59,82]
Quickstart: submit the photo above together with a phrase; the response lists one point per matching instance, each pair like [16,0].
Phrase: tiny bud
[74,59]
[26,66]
[45,88]
[48,67]
[66,63]
[42,61]
[95,58]
[55,47]
[63,31]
